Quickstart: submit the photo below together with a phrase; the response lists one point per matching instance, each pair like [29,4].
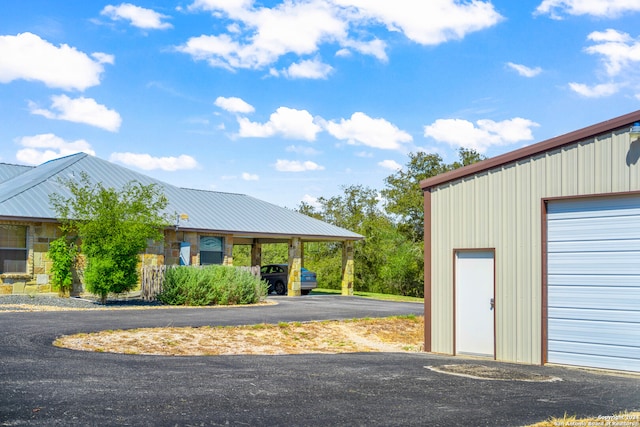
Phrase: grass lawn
[386,297]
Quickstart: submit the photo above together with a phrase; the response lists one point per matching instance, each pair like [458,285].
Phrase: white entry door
[474,303]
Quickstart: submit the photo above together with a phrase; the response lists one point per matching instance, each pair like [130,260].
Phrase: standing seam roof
[8,171]
[27,196]
[532,150]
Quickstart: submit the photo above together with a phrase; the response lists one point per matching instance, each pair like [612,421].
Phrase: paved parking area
[44,385]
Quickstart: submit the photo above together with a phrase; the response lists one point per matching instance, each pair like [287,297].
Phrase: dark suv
[277,276]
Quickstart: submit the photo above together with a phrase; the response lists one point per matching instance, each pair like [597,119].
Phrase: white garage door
[594,282]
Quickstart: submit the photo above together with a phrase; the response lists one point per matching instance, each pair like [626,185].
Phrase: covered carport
[296,257]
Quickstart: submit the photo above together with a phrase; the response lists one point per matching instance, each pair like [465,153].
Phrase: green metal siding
[501,209]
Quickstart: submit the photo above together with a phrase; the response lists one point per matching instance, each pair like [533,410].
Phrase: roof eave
[27,219]
[532,150]
[265,235]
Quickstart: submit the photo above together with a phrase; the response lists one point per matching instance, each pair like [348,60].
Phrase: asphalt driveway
[44,385]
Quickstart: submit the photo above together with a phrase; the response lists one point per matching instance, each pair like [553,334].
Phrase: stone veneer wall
[40,234]
[36,278]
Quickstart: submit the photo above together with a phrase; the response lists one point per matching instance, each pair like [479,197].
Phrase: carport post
[256,253]
[295,265]
[347,268]
[228,250]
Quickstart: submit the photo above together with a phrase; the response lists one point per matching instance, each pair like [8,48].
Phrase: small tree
[62,254]
[114,227]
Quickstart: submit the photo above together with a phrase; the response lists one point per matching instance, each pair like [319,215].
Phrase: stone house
[207,226]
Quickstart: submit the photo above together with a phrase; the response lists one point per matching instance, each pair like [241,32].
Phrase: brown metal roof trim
[550,144]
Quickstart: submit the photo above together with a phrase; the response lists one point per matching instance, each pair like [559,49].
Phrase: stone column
[347,268]
[228,251]
[295,264]
[256,253]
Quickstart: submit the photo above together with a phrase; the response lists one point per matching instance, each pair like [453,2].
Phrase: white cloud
[299,149]
[259,36]
[427,22]
[147,162]
[297,166]
[364,154]
[597,91]
[599,8]
[104,58]
[234,105]
[80,110]
[308,69]
[609,35]
[232,7]
[28,57]
[376,48]
[288,122]
[295,27]
[250,177]
[620,56]
[312,201]
[523,70]
[138,16]
[390,164]
[617,50]
[44,147]
[361,129]
[487,133]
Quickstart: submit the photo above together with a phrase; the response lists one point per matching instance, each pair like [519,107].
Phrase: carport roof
[24,194]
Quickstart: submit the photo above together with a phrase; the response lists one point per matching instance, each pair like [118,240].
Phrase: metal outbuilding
[534,256]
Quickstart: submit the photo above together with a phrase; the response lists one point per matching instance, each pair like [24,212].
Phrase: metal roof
[8,171]
[26,196]
[593,131]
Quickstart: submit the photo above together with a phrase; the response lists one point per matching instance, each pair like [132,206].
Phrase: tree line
[391,257]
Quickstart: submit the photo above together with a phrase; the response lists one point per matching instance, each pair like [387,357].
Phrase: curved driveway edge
[44,385]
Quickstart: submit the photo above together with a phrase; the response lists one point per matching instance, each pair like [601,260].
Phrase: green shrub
[211,285]
[62,254]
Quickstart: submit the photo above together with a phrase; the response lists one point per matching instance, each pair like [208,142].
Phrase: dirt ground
[393,334]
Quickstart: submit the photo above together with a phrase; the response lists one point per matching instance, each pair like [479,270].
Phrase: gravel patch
[482,372]
[21,302]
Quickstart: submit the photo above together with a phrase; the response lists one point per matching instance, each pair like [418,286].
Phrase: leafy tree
[466,157]
[272,253]
[391,258]
[403,194]
[114,227]
[357,209]
[62,253]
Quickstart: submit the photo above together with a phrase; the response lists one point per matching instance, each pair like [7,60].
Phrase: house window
[13,249]
[211,250]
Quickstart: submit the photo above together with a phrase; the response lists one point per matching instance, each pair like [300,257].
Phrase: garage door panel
[593,228]
[625,263]
[600,350]
[593,282]
[595,314]
[595,208]
[594,361]
[580,246]
[625,335]
[595,297]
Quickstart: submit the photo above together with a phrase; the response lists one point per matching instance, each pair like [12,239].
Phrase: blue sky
[289,100]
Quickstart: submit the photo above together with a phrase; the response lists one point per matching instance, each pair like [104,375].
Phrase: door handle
[492,304]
